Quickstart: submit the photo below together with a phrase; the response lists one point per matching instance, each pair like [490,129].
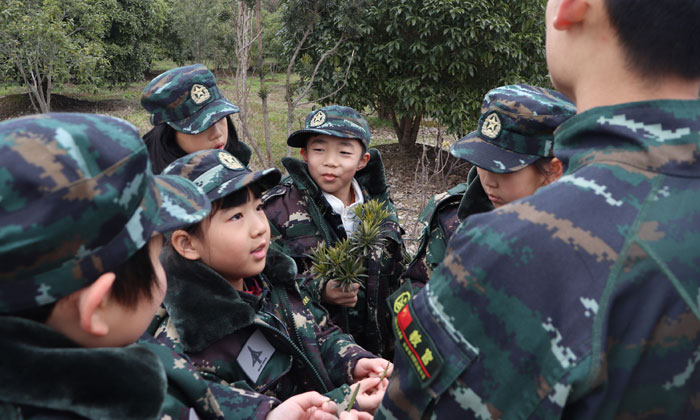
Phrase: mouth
[495,199]
[328,177]
[259,252]
[220,146]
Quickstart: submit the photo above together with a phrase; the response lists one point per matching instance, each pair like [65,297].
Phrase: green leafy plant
[344,262]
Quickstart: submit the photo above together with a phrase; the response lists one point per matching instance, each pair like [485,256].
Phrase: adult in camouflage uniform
[271,339]
[189,113]
[301,218]
[530,115]
[580,301]
[79,200]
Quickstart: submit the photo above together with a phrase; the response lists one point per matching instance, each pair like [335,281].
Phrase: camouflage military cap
[218,173]
[78,199]
[334,120]
[516,128]
[187,99]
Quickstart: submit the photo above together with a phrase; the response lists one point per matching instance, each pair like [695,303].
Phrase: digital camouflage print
[578,302]
[301,219]
[279,343]
[78,199]
[186,98]
[72,207]
[440,218]
[335,121]
[515,129]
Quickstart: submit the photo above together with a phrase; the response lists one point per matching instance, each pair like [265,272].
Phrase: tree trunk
[406,131]
[263,91]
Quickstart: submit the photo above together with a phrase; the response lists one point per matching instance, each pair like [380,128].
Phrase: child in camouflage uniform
[189,113]
[242,325]
[314,205]
[581,300]
[508,166]
[82,219]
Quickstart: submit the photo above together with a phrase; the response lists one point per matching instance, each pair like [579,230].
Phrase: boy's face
[333,162]
[234,241]
[214,137]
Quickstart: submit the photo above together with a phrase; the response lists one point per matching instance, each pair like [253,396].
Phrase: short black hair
[660,38]
[164,150]
[134,279]
[232,200]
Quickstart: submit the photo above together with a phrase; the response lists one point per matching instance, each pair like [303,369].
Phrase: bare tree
[293,101]
[245,37]
[263,92]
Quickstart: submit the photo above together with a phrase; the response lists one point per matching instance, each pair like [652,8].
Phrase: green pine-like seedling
[344,262]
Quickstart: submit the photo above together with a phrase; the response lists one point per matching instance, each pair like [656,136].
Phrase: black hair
[134,279]
[362,144]
[164,150]
[234,199]
[542,166]
[660,38]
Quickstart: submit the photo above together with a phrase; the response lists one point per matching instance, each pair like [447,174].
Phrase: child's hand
[355,415]
[370,394]
[332,293]
[306,406]
[372,368]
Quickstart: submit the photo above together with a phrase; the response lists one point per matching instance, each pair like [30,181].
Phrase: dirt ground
[413,177]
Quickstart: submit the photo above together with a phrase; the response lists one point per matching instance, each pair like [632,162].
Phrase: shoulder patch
[416,345]
[413,341]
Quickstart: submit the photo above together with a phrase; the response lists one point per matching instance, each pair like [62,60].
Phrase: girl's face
[214,137]
[505,188]
[234,241]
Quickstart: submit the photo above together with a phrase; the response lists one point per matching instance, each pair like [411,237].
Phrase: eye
[346,153]
[317,149]
[237,216]
[259,207]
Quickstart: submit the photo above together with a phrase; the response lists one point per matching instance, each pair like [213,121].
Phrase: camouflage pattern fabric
[141,381]
[214,324]
[186,98]
[441,217]
[301,218]
[334,120]
[218,173]
[515,129]
[578,302]
[77,199]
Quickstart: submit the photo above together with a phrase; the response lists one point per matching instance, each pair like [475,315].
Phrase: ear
[92,303]
[304,156]
[183,244]
[569,13]
[364,160]
[556,169]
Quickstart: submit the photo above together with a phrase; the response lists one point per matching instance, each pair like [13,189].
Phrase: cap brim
[488,156]
[205,117]
[266,178]
[181,204]
[299,138]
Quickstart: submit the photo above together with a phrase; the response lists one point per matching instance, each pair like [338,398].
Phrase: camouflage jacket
[441,217]
[286,337]
[301,218]
[578,302]
[46,375]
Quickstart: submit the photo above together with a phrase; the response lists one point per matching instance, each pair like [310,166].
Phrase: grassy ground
[123,102]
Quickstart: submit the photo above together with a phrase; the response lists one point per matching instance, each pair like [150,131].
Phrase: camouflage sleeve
[467,342]
[339,351]
[239,403]
[341,396]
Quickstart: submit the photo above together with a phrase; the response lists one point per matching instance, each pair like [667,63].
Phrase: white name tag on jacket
[255,355]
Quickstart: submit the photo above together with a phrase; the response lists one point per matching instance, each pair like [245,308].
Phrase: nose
[260,224]
[330,160]
[215,131]
[488,178]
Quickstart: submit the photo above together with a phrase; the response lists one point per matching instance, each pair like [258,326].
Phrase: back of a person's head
[660,37]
